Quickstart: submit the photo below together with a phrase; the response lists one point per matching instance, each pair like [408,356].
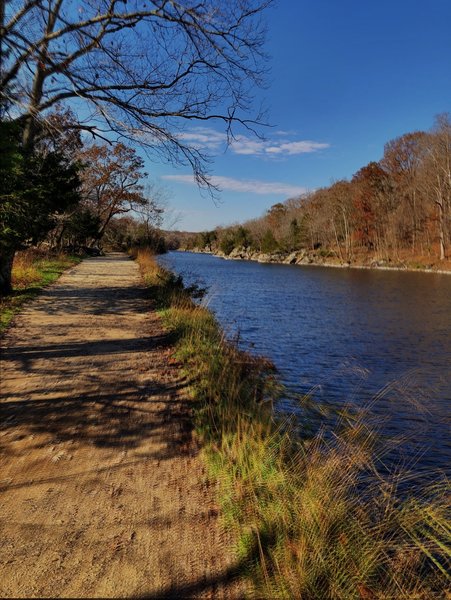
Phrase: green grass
[313,518]
[32,271]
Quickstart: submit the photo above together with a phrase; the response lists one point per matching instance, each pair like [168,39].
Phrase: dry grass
[33,269]
[313,516]
[26,269]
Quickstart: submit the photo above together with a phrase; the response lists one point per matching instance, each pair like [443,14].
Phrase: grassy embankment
[32,270]
[312,516]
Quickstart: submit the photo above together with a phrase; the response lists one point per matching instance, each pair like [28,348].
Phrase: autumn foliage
[397,209]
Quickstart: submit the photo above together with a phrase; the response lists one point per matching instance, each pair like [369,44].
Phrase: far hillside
[395,211]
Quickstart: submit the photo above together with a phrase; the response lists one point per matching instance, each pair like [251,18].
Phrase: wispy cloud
[277,147]
[245,145]
[302,147]
[251,186]
[204,138]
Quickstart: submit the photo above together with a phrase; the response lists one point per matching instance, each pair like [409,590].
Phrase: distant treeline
[397,207]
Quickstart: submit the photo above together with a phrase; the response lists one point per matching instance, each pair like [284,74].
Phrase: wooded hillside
[396,208]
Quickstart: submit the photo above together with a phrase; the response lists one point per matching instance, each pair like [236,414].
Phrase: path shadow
[195,588]
[90,300]
[86,399]
[215,584]
[26,355]
[120,419]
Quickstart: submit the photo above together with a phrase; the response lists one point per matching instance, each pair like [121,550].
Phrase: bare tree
[340,200]
[133,69]
[153,211]
[438,176]
[403,159]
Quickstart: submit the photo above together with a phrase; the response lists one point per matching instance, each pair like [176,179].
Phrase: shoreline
[298,259]
[264,472]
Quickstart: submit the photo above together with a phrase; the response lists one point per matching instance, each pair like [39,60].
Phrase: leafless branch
[143,68]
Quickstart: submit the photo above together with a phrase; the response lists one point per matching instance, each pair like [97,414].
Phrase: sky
[346,76]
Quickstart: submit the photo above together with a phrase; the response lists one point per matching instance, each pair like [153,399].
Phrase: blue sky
[346,77]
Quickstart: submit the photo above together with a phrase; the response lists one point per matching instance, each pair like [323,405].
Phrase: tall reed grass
[313,517]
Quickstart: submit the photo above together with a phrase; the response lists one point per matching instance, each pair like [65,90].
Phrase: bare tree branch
[143,68]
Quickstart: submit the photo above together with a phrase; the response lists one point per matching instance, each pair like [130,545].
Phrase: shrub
[269,243]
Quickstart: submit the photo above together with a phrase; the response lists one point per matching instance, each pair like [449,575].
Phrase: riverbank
[304,527]
[326,259]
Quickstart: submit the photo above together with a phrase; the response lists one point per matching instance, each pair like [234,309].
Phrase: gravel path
[102,493]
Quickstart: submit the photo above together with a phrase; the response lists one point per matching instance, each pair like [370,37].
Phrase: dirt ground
[102,493]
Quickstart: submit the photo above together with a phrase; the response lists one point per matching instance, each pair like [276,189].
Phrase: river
[344,335]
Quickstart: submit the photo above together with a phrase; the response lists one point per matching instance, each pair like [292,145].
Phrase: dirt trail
[102,493]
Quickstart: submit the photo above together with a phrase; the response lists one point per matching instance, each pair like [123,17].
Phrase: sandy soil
[102,493]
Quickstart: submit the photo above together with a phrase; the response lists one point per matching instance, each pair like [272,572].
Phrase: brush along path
[101,489]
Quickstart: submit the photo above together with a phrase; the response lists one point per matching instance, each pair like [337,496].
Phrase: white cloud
[244,145]
[284,132]
[251,186]
[302,147]
[205,138]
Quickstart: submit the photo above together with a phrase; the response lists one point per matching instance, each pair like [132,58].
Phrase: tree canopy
[111,181]
[35,187]
[135,69]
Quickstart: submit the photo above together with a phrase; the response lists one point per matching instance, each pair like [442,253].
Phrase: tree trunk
[441,230]
[6,265]
[337,241]
[347,238]
[39,79]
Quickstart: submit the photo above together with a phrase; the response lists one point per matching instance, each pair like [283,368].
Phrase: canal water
[346,336]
